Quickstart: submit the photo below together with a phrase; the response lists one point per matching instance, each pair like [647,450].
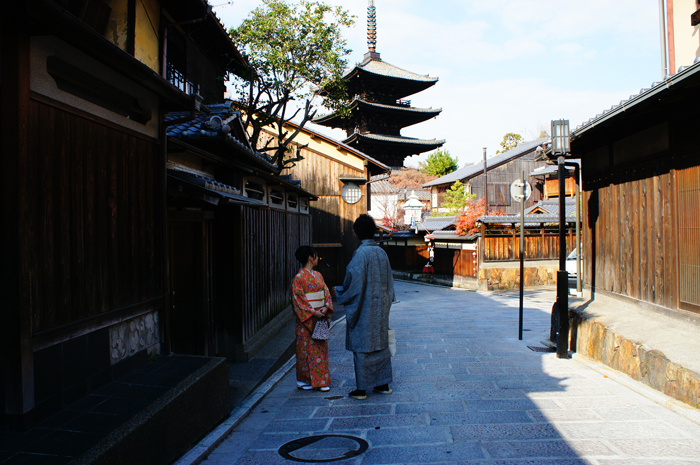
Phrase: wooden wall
[405,257]
[94,228]
[264,260]
[641,218]
[448,262]
[332,217]
[499,180]
[544,246]
[455,262]
[632,237]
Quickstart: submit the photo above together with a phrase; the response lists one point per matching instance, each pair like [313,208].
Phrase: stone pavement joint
[466,391]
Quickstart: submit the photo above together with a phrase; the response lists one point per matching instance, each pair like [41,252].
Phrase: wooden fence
[448,262]
[542,246]
[268,243]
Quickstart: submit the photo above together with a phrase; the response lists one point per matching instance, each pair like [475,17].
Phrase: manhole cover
[541,349]
[323,448]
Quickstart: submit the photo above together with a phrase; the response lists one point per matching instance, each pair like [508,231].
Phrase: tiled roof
[206,126]
[435,223]
[658,87]
[395,139]
[551,207]
[550,169]
[451,236]
[383,187]
[382,68]
[474,170]
[399,107]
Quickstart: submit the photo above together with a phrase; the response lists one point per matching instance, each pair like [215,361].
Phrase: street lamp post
[560,148]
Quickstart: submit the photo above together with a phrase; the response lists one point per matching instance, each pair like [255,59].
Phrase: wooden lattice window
[688,181]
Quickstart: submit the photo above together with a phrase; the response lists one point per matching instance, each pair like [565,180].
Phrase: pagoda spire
[371,31]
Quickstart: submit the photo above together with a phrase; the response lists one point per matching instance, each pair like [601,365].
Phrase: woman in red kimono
[312,354]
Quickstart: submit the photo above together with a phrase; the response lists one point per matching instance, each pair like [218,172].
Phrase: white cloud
[506,65]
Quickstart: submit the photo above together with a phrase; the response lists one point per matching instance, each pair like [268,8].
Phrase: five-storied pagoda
[379,110]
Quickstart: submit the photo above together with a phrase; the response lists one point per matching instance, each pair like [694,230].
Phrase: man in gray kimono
[367,293]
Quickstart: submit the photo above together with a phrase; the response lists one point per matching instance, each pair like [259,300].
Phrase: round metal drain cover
[323,448]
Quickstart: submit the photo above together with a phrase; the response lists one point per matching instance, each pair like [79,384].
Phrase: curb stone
[684,410]
[211,441]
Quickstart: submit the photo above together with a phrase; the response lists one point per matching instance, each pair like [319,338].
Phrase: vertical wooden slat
[636,233]
[659,258]
[670,244]
[644,243]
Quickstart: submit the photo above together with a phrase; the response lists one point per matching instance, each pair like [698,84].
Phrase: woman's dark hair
[304,252]
[364,227]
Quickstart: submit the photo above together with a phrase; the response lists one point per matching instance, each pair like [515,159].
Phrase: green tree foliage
[456,198]
[294,50]
[439,163]
[510,141]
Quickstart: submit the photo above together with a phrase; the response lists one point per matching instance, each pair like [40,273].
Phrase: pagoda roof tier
[407,115]
[380,146]
[376,73]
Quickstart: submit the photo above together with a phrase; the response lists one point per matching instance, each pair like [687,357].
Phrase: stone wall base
[594,340]
[502,279]
[461,282]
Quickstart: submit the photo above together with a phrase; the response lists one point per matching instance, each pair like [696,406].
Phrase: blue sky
[505,65]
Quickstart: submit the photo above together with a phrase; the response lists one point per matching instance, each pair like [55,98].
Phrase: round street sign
[515,190]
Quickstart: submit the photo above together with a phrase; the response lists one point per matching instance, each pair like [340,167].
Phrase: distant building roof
[382,68]
[551,169]
[474,170]
[409,114]
[544,211]
[435,223]
[383,187]
[394,139]
[451,236]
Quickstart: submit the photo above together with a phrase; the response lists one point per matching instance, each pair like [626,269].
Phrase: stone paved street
[466,391]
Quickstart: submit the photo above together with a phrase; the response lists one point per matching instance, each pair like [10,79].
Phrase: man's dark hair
[304,252]
[364,227]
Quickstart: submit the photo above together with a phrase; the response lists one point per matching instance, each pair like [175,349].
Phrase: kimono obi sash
[316,299]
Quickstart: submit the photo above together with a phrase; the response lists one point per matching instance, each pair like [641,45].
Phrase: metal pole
[486,190]
[662,31]
[522,255]
[562,275]
[578,234]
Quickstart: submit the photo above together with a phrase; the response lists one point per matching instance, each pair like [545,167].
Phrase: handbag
[321,332]
[392,342]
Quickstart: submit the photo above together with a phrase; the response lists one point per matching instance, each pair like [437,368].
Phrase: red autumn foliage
[466,220]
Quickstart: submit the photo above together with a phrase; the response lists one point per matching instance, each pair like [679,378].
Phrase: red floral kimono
[312,355]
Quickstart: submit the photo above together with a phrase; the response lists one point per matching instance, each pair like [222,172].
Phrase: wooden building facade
[641,183]
[83,218]
[338,175]
[233,227]
[502,170]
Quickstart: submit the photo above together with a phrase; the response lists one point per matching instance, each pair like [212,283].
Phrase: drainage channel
[541,349]
[323,448]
